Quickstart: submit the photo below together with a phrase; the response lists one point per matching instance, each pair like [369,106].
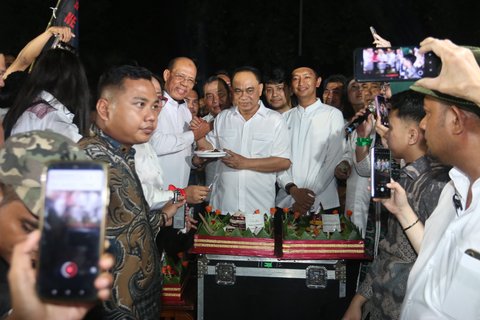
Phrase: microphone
[358,121]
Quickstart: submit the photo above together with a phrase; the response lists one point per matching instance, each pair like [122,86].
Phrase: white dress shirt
[151,176]
[211,167]
[172,141]
[357,198]
[262,136]
[52,116]
[316,134]
[444,281]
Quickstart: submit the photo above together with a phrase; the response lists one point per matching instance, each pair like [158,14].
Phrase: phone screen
[380,172]
[381,106]
[394,64]
[75,200]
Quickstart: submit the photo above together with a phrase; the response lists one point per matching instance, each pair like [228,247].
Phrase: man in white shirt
[173,138]
[256,141]
[217,98]
[444,281]
[315,131]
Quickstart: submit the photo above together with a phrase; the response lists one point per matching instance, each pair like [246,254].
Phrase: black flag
[66,14]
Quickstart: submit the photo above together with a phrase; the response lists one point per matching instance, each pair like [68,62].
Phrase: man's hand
[382,132]
[354,311]
[199,127]
[343,170]
[379,42]
[22,279]
[397,204]
[234,160]
[366,127]
[196,194]
[304,199]
[171,208]
[190,223]
[460,74]
[199,163]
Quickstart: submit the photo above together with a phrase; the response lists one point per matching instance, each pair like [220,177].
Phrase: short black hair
[276,75]
[116,76]
[220,81]
[253,70]
[409,105]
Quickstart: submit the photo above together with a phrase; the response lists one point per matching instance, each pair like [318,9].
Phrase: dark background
[227,34]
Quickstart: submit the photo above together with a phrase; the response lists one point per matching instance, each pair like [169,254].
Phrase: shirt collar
[115,146]
[171,100]
[262,110]
[52,101]
[418,167]
[311,108]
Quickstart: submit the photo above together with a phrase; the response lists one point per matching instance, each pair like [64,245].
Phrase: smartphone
[404,63]
[75,197]
[380,164]
[381,107]
[373,31]
[179,218]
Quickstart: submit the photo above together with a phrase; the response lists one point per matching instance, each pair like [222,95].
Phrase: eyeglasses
[181,78]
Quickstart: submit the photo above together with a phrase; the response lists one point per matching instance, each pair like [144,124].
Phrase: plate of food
[210,153]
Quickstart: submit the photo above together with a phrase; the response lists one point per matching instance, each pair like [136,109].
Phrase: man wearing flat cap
[445,279]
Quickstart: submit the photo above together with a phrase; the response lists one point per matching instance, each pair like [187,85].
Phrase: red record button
[69,269]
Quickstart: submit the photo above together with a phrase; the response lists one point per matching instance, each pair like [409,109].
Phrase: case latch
[316,277]
[225,274]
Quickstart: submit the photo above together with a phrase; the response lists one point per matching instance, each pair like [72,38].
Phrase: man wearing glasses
[174,137]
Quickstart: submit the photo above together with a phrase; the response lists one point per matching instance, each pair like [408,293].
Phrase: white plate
[210,154]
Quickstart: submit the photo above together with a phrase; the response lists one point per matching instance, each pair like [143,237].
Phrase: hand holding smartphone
[380,165]
[405,63]
[72,226]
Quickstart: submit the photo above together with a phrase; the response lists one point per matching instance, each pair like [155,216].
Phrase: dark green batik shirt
[386,281]
[131,229]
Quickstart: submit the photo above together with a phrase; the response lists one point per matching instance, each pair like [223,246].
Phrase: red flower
[208,209]
[349,213]
[185,263]
[257,211]
[213,222]
[218,212]
[285,210]
[297,214]
[273,211]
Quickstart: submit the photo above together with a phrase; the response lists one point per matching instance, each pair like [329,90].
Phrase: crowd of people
[283,146]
